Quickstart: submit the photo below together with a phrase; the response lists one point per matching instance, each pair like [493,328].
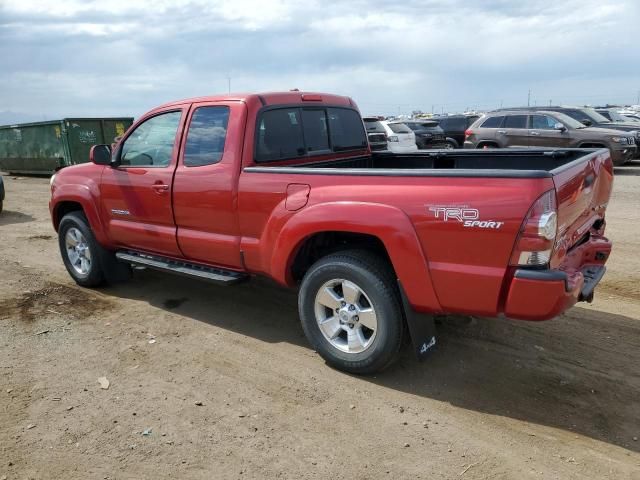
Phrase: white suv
[400,138]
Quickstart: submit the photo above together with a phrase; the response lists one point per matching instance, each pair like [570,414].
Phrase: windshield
[595,116]
[616,117]
[421,125]
[399,128]
[568,121]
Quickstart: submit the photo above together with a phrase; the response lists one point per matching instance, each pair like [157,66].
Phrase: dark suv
[540,128]
[428,134]
[376,133]
[454,127]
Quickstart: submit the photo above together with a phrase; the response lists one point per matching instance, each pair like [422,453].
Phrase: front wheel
[350,311]
[80,250]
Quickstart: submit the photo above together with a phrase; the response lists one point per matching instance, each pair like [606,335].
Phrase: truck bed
[505,163]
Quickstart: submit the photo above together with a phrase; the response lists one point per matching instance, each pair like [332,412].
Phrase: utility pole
[549,102]
[529,98]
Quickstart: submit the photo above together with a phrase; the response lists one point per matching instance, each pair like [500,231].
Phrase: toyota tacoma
[284,185]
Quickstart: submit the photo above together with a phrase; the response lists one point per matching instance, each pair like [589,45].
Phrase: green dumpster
[44,147]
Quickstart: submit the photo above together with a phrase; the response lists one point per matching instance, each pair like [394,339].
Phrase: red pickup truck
[284,185]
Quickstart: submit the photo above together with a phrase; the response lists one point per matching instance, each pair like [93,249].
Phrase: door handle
[534,133]
[502,131]
[160,188]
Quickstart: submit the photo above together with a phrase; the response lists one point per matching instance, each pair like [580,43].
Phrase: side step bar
[157,262]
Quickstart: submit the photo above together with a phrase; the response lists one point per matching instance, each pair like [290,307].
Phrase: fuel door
[297,196]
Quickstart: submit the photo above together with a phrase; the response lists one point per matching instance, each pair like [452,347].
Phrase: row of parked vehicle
[552,126]
[403,136]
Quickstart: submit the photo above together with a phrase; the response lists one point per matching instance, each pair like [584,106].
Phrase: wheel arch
[72,197]
[381,228]
[453,141]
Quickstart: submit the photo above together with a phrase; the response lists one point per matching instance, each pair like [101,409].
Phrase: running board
[157,262]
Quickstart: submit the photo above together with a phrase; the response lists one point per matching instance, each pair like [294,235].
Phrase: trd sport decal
[469,217]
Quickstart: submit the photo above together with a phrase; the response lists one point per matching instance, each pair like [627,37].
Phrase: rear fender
[387,223]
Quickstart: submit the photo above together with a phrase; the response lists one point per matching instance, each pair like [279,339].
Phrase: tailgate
[406,138]
[583,188]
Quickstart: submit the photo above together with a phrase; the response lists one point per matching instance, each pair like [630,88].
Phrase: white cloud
[124,56]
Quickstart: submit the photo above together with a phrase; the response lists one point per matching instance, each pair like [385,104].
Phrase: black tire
[105,268]
[1,202]
[378,282]
[451,143]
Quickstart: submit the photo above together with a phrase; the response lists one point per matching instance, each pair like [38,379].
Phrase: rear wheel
[350,311]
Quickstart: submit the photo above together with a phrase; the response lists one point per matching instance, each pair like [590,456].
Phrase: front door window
[151,143]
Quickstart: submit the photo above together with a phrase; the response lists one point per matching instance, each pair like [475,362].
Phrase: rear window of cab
[294,132]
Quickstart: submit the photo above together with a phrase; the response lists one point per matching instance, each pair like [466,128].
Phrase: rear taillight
[467,133]
[537,235]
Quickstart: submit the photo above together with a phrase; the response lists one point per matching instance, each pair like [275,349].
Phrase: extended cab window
[285,133]
[151,143]
[314,124]
[280,135]
[206,136]
[515,121]
[347,129]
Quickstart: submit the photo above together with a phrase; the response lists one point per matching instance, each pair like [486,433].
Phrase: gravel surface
[166,377]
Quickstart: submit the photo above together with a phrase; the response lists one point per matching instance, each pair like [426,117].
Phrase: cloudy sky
[123,57]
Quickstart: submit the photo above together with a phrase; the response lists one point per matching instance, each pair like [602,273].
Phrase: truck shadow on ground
[8,217]
[578,373]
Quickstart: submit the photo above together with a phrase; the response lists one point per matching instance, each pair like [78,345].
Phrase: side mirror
[560,126]
[587,123]
[100,154]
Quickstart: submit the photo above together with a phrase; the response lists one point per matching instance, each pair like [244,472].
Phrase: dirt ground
[213,382]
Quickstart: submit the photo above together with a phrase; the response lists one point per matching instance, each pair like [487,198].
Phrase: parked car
[612,115]
[1,193]
[400,138]
[590,118]
[540,128]
[284,185]
[376,133]
[428,134]
[454,127]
